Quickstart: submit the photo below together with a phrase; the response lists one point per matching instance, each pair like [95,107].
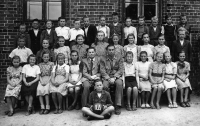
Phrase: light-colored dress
[161,49]
[143,69]
[45,69]
[171,68]
[14,75]
[134,50]
[74,71]
[150,51]
[119,51]
[182,72]
[65,50]
[60,74]
[157,68]
[100,48]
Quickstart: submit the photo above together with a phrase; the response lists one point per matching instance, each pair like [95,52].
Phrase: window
[147,8]
[43,9]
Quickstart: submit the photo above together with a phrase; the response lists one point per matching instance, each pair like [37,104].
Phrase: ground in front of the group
[142,117]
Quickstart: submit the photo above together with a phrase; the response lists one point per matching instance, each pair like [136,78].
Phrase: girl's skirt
[182,84]
[145,86]
[13,91]
[130,81]
[170,84]
[29,90]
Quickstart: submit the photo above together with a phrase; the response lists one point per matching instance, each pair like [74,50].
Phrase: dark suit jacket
[177,47]
[87,69]
[52,37]
[91,35]
[35,41]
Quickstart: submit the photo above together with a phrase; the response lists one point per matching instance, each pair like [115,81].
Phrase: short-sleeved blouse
[14,73]
[129,69]
[143,68]
[61,70]
[31,71]
[100,48]
[171,68]
[46,68]
[149,49]
[158,68]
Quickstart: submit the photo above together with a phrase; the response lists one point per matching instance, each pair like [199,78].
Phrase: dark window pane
[132,10]
[34,9]
[131,0]
[53,10]
[149,11]
[149,1]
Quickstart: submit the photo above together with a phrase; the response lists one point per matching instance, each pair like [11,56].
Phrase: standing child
[183,23]
[45,48]
[49,34]
[75,75]
[63,49]
[154,31]
[80,47]
[169,81]
[14,80]
[147,47]
[22,33]
[156,76]
[141,29]
[116,28]
[132,47]
[129,30]
[102,27]
[183,72]
[131,80]
[119,50]
[30,73]
[21,51]
[100,104]
[74,32]
[43,87]
[100,45]
[161,47]
[63,30]
[59,78]
[169,30]
[145,86]
[35,33]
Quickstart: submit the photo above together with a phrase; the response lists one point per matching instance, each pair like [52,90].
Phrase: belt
[157,74]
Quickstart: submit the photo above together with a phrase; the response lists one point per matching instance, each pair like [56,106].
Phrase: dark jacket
[35,41]
[52,37]
[177,47]
[91,35]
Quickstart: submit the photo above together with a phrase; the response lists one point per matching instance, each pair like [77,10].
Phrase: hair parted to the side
[128,53]
[32,55]
[15,57]
[143,52]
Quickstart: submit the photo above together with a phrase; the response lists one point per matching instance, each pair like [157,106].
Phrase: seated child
[100,104]
[22,51]
[14,80]
[183,72]
[169,81]
[75,75]
[43,87]
[31,74]
[145,86]
[131,80]
[156,76]
[58,86]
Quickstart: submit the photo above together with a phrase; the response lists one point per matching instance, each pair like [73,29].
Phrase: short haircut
[182,29]
[80,35]
[182,15]
[85,17]
[127,53]
[98,80]
[110,45]
[61,18]
[59,37]
[182,51]
[144,34]
[77,20]
[168,16]
[131,34]
[91,48]
[22,36]
[115,14]
[102,16]
[161,35]
[143,52]
[32,55]
[128,18]
[15,57]
[22,25]
[49,21]
[36,20]
[141,17]
[154,18]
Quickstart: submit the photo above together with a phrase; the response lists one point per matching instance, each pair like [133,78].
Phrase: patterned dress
[74,73]
[100,48]
[150,51]
[65,50]
[14,75]
[181,71]
[171,69]
[119,51]
[60,74]
[143,69]
[45,69]
[134,50]
[157,71]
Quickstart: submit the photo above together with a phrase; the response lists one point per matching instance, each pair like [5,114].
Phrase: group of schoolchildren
[71,61]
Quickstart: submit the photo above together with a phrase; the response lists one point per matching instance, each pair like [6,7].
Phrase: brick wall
[11,13]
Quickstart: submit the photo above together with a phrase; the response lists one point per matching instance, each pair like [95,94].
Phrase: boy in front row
[100,104]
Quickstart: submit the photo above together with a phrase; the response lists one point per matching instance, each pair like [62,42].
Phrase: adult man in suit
[182,45]
[90,31]
[35,36]
[111,69]
[91,72]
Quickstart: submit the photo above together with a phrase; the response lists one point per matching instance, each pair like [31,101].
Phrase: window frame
[141,10]
[44,11]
